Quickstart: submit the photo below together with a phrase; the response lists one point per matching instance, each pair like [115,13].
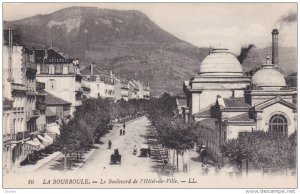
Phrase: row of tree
[171,130]
[92,120]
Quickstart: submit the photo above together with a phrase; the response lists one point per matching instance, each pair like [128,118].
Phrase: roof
[53,100]
[87,70]
[50,113]
[236,103]
[220,62]
[203,112]
[209,123]
[275,100]
[51,56]
[245,117]
[275,78]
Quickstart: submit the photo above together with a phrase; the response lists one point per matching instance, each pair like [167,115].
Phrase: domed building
[220,74]
[227,104]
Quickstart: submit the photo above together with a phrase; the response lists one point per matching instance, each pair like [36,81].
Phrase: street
[97,164]
[131,165]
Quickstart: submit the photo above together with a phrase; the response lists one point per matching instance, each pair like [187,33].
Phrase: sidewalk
[32,167]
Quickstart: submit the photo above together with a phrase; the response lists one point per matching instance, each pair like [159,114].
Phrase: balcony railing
[8,137]
[18,87]
[32,113]
[21,135]
[31,66]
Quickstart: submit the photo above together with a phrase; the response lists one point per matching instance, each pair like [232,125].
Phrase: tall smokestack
[275,59]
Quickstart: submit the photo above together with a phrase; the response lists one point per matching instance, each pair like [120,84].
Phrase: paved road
[132,166]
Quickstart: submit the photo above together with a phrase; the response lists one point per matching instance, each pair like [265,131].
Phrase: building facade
[60,74]
[226,104]
[14,93]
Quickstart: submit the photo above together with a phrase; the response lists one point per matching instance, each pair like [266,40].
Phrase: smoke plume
[286,19]
[244,52]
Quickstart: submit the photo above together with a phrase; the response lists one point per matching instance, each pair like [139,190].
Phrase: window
[38,69]
[65,69]
[278,123]
[51,69]
[51,84]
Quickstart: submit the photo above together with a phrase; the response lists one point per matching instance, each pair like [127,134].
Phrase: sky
[231,25]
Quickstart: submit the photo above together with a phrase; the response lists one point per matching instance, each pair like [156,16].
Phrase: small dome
[220,62]
[268,76]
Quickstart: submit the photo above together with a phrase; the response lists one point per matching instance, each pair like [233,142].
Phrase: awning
[45,142]
[48,138]
[38,142]
[53,128]
[32,146]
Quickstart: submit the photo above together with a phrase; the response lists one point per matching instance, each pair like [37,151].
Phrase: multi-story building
[31,112]
[124,89]
[147,91]
[41,106]
[117,88]
[60,74]
[101,83]
[140,88]
[14,93]
[132,90]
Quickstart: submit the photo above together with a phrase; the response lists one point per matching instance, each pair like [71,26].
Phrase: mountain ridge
[125,41]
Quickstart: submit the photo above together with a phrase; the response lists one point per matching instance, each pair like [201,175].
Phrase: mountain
[127,42]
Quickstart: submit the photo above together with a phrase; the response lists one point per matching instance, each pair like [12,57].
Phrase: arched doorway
[278,123]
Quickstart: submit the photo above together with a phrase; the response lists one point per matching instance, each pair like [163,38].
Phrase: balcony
[21,135]
[18,87]
[7,138]
[30,91]
[32,114]
[31,66]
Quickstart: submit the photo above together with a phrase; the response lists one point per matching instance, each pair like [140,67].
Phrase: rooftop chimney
[275,59]
[92,68]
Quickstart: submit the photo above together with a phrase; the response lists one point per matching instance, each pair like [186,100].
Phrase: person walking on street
[109,144]
[149,151]
[203,155]
[123,132]
[124,125]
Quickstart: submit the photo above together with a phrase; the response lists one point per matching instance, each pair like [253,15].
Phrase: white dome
[220,62]
[268,76]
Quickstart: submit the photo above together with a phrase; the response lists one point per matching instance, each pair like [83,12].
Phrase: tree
[263,149]
[176,134]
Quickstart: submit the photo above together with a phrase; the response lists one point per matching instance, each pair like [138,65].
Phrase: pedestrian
[123,132]
[134,150]
[203,155]
[109,144]
[149,151]
[124,125]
